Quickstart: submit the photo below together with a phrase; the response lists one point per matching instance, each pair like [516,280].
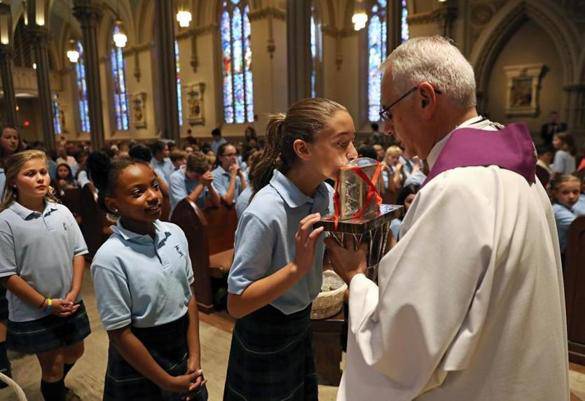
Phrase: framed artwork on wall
[139,110]
[523,89]
[194,97]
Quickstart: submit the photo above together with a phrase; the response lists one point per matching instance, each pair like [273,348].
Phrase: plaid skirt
[271,358]
[48,333]
[3,304]
[168,346]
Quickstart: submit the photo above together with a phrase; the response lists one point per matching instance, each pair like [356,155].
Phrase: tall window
[316,48]
[58,128]
[404,34]
[179,95]
[81,82]
[376,54]
[238,97]
[120,93]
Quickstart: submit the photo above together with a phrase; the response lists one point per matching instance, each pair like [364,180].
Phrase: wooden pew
[210,234]
[574,277]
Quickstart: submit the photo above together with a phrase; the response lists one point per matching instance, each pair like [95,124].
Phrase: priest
[469,304]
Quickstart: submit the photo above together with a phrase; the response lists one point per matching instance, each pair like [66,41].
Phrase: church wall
[516,52]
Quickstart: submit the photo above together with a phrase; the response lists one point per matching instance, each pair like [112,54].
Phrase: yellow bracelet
[49,303]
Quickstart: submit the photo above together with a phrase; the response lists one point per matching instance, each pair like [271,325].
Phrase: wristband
[49,304]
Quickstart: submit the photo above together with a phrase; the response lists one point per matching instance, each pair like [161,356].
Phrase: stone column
[394,24]
[8,85]
[167,70]
[576,111]
[298,38]
[88,14]
[39,39]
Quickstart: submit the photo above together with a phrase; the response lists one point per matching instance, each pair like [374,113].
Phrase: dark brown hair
[304,120]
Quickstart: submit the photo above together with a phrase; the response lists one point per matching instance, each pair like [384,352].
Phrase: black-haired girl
[143,283]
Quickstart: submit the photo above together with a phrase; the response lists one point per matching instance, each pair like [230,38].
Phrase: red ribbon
[371,195]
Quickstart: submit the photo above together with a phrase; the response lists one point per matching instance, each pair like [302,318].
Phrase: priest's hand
[347,262]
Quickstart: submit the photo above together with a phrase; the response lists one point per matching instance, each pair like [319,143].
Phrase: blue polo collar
[293,196]
[161,233]
[27,214]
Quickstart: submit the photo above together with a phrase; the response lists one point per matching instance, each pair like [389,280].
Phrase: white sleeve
[405,327]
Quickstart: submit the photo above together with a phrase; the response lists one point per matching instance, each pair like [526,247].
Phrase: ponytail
[303,120]
[270,160]
[104,173]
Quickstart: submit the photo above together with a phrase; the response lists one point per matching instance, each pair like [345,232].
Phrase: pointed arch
[507,21]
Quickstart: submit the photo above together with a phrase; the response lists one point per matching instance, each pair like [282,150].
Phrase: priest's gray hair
[435,60]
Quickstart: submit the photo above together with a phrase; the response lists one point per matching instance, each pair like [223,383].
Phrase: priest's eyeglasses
[386,114]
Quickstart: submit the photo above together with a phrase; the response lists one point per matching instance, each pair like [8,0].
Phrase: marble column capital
[87,12]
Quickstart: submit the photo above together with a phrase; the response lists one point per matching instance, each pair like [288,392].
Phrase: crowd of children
[143,276]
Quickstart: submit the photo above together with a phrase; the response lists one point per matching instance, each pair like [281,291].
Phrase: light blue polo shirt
[2,182]
[221,183]
[265,240]
[563,217]
[39,248]
[243,201]
[180,186]
[579,207]
[141,281]
[163,169]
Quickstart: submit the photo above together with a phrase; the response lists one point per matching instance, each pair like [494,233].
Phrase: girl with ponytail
[277,268]
[143,279]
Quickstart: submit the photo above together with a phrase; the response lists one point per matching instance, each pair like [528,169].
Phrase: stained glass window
[81,82]
[119,81]
[316,48]
[57,127]
[376,55]
[404,34]
[179,96]
[238,97]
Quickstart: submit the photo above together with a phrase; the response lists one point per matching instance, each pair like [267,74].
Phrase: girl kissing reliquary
[359,216]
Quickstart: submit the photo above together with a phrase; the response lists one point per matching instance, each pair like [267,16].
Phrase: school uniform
[564,216]
[221,182]
[180,187]
[163,169]
[39,248]
[144,283]
[277,337]
[243,200]
[2,182]
[564,162]
[395,227]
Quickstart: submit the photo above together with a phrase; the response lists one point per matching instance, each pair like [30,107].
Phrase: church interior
[187,77]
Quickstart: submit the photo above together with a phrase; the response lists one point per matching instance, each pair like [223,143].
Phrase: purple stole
[510,148]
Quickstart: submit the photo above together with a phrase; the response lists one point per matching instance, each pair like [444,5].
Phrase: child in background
[565,191]
[10,143]
[178,158]
[564,161]
[277,269]
[543,164]
[43,277]
[405,198]
[193,181]
[64,179]
[143,284]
